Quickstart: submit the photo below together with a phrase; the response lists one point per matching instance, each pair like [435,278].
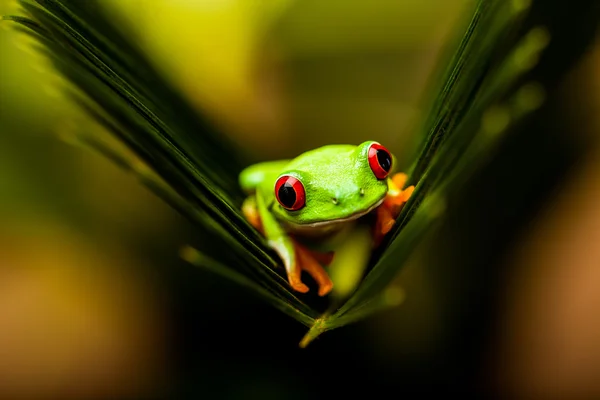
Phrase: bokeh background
[96,303]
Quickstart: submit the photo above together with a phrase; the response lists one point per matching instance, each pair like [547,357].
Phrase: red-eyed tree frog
[301,205]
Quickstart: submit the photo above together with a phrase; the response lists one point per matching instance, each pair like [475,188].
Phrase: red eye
[289,192]
[380,160]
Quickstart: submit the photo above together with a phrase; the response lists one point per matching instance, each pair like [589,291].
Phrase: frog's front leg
[311,262]
[389,210]
[295,256]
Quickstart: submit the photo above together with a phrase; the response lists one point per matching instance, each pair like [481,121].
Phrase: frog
[301,205]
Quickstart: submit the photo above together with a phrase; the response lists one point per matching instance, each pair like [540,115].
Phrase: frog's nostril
[361,192]
[334,200]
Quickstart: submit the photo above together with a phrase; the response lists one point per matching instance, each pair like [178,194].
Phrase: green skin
[340,187]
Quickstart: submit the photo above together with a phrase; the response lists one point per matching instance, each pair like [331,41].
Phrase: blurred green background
[95,303]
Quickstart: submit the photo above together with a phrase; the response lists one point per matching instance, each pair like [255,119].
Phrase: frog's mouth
[335,222]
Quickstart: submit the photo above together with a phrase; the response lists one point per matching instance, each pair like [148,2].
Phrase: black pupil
[287,195]
[384,160]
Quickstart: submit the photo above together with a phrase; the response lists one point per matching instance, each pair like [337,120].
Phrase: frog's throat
[330,222]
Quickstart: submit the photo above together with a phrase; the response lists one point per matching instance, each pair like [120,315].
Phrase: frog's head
[332,184]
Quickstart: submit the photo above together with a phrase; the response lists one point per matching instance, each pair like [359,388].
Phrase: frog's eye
[380,160]
[289,192]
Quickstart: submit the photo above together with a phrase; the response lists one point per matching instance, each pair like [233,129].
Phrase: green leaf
[181,149]
[472,88]
[484,90]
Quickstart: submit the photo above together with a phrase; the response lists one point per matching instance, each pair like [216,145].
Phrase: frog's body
[313,198]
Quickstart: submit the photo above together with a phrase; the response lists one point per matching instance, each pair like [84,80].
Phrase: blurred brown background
[95,303]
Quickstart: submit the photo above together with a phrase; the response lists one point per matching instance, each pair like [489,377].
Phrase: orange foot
[311,262]
[305,260]
[392,205]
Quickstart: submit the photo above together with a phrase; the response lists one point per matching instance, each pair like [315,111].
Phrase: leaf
[117,85]
[489,88]
[472,85]
[489,84]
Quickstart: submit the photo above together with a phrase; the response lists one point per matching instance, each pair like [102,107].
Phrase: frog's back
[320,156]
[254,175]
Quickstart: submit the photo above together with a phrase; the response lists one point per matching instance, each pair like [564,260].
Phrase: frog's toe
[298,286]
[325,288]
[406,193]
[396,195]
[295,278]
[384,223]
[392,205]
[399,179]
